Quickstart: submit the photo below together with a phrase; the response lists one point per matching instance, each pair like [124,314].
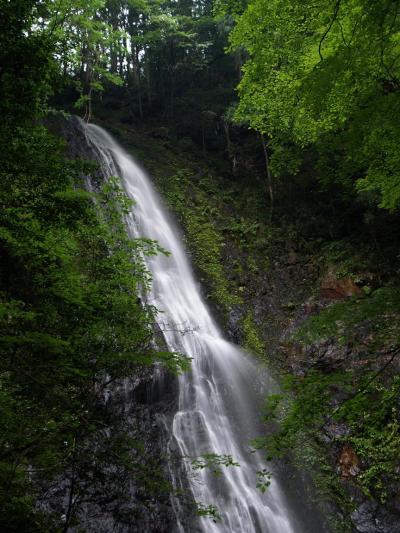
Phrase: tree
[327,76]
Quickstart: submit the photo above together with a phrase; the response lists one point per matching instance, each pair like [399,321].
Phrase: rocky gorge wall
[304,307]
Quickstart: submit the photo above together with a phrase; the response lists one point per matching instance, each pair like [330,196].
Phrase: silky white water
[217,398]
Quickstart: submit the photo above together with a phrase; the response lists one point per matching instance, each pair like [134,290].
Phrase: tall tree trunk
[171,101]
[84,60]
[68,514]
[88,90]
[114,59]
[229,149]
[123,56]
[136,76]
[148,86]
[238,63]
[269,176]
[114,46]
[88,106]
[171,78]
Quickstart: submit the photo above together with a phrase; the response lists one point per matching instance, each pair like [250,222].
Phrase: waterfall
[219,397]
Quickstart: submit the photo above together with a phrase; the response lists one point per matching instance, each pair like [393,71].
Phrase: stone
[335,288]
[349,463]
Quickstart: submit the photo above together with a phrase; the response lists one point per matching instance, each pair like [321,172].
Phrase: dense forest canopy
[320,79]
[326,76]
[312,89]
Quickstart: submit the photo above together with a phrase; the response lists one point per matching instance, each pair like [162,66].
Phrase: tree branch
[335,14]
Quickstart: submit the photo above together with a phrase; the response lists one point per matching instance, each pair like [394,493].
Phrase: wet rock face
[119,499]
[276,294]
[234,325]
[371,518]
[70,129]
[283,297]
[145,403]
[326,356]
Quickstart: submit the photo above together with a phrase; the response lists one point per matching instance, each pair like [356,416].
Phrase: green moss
[381,309]
[206,245]
[342,254]
[203,238]
[252,340]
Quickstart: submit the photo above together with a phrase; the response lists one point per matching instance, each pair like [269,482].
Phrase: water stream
[219,398]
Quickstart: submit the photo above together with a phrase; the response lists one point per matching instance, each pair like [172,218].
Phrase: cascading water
[218,409]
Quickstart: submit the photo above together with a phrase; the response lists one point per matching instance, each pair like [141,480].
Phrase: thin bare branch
[334,17]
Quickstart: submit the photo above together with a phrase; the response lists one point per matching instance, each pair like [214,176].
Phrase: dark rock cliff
[282,299]
[280,294]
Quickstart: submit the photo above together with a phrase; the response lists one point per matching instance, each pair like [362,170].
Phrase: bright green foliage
[71,321]
[252,340]
[300,411]
[209,511]
[214,462]
[376,436]
[83,39]
[326,75]
[370,415]
[46,43]
[303,413]
[70,318]
[263,479]
[381,308]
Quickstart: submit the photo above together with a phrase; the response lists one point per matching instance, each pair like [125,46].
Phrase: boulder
[335,288]
[348,462]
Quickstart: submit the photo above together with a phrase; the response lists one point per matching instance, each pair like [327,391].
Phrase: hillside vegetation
[271,128]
